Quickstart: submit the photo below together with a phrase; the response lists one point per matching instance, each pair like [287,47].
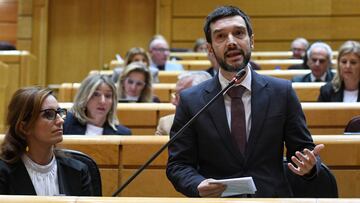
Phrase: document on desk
[237,186]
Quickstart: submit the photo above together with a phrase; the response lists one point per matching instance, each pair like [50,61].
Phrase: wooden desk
[271,64]
[75,199]
[119,156]
[264,64]
[255,55]
[322,118]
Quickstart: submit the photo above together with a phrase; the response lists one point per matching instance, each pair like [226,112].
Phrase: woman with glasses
[29,164]
[345,85]
[136,54]
[135,84]
[94,109]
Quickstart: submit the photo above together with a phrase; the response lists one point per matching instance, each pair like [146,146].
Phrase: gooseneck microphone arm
[236,78]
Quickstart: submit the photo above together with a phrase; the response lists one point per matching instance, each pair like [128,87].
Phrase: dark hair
[23,111]
[222,12]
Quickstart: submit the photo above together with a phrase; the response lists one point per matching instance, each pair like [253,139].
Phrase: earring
[27,148]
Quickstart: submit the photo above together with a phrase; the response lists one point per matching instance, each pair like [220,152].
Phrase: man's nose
[231,40]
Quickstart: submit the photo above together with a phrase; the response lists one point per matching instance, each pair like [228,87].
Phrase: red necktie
[238,124]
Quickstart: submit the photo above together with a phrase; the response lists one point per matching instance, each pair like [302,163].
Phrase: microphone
[236,78]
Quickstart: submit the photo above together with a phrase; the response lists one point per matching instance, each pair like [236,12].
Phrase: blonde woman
[136,54]
[135,84]
[94,109]
[345,85]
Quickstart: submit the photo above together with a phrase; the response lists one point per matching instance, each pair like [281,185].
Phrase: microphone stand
[236,78]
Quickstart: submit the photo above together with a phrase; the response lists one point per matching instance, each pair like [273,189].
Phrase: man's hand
[207,189]
[305,162]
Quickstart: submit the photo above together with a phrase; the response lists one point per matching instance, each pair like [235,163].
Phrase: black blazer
[307,78]
[73,127]
[207,150]
[328,94]
[74,178]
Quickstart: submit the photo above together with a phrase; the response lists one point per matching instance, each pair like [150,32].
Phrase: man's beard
[230,68]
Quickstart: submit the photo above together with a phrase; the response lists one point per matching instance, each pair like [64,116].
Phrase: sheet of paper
[236,186]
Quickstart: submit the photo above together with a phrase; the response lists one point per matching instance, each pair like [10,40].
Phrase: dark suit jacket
[73,127]
[206,149]
[328,94]
[74,178]
[307,78]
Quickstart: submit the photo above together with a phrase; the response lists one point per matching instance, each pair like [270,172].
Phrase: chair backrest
[353,126]
[322,186]
[92,166]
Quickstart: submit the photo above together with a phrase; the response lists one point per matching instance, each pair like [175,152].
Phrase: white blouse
[43,177]
[93,130]
[350,96]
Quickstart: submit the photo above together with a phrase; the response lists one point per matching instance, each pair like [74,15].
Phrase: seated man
[186,80]
[298,48]
[319,61]
[159,53]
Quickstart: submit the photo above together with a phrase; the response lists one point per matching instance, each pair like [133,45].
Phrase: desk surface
[60,199]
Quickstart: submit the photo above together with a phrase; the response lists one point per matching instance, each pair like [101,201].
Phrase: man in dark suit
[319,57]
[272,114]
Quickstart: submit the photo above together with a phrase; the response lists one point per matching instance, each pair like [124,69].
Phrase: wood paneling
[8,20]
[85,34]
[8,11]
[276,23]
[255,7]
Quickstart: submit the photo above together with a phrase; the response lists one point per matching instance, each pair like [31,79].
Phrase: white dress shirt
[43,177]
[246,98]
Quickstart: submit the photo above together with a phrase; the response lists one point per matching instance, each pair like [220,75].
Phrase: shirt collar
[322,78]
[246,82]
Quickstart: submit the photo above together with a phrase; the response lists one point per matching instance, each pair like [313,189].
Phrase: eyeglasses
[136,82]
[161,49]
[321,61]
[51,114]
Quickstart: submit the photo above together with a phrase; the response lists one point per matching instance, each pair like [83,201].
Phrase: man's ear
[210,49]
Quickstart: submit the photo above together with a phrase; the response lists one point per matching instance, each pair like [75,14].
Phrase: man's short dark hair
[222,12]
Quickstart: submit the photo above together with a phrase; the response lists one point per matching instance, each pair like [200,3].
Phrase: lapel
[108,130]
[62,177]
[20,180]
[259,109]
[217,114]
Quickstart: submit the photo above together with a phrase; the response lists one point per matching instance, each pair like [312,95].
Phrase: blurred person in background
[94,109]
[135,84]
[136,54]
[159,52]
[345,85]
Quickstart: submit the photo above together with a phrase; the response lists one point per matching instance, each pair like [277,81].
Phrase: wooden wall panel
[8,20]
[254,8]
[8,11]
[276,23]
[74,39]
[84,35]
[126,24]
